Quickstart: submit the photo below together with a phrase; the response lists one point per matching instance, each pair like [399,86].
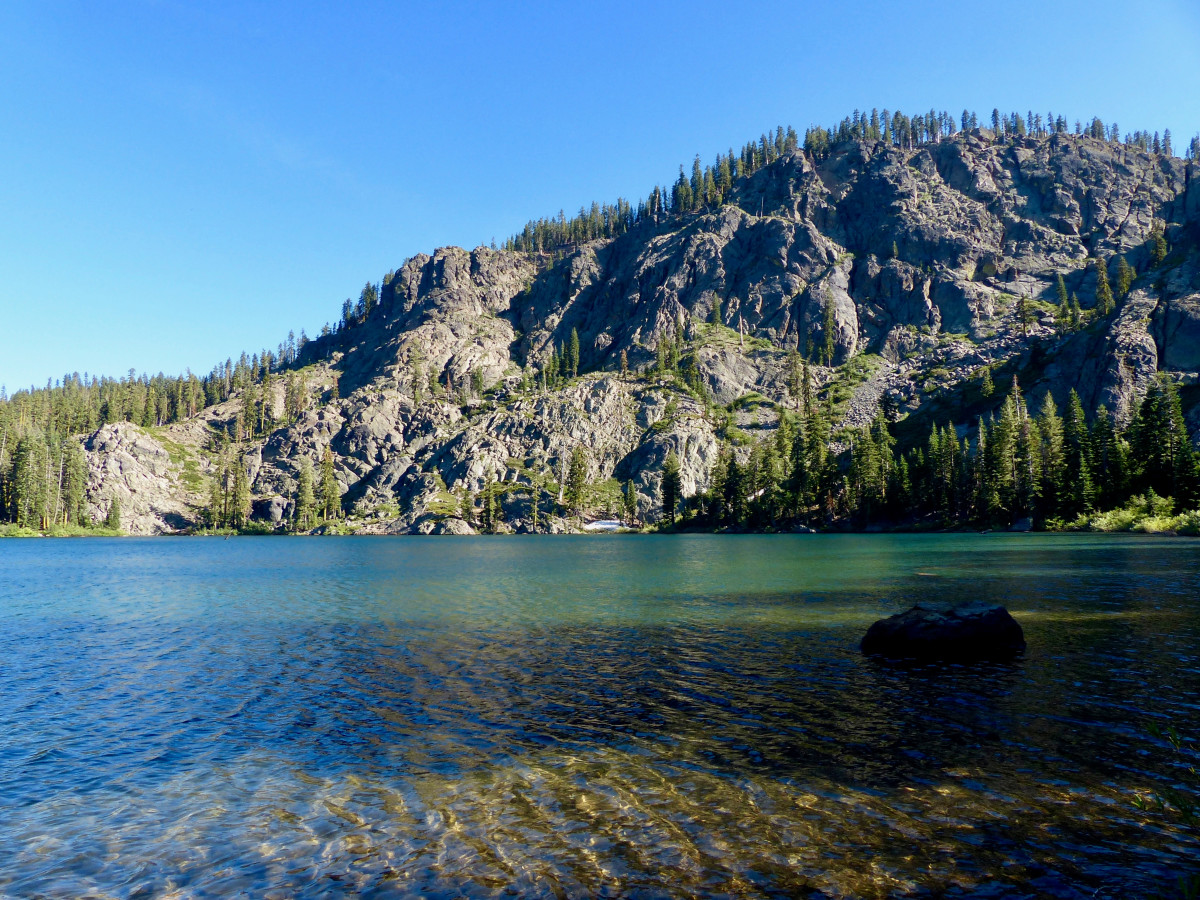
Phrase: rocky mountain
[914,268]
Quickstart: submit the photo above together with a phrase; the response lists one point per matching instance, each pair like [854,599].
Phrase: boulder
[274,510]
[960,633]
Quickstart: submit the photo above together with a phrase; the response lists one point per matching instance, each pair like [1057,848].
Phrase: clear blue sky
[181,181]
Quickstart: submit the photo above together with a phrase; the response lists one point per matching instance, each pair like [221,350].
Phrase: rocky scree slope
[913,261]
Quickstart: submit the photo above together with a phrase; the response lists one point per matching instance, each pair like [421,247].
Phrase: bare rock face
[961,633]
[128,465]
[882,248]
[902,270]
[451,311]
[423,458]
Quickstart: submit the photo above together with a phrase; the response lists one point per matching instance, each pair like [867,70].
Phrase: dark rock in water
[961,633]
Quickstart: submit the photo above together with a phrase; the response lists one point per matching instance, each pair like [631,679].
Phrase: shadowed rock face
[916,258]
[963,633]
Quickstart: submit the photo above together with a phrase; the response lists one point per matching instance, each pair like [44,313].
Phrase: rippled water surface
[644,716]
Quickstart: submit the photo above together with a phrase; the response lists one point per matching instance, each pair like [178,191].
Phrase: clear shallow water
[585,716]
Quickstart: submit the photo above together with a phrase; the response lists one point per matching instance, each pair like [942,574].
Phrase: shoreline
[833,532]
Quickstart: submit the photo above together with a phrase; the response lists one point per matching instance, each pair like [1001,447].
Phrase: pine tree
[1110,461]
[74,489]
[624,365]
[1028,461]
[577,480]
[716,311]
[241,496]
[1124,278]
[663,355]
[30,484]
[113,519]
[681,194]
[305,500]
[368,299]
[629,504]
[870,467]
[1165,459]
[795,384]
[487,502]
[535,490]
[985,491]
[1158,248]
[416,372]
[734,489]
[249,413]
[1104,297]
[987,387]
[331,501]
[214,515]
[670,487]
[827,331]
[1053,461]
[266,412]
[1062,312]
[714,498]
[1005,441]
[573,353]
[1079,492]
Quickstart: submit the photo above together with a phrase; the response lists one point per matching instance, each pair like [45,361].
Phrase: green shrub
[1148,514]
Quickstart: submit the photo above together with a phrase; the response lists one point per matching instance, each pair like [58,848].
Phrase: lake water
[613,716]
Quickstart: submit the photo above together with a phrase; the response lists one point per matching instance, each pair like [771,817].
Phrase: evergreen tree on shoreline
[305,499]
[331,500]
[670,487]
[576,487]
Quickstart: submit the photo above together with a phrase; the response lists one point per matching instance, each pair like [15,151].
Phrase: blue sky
[183,181]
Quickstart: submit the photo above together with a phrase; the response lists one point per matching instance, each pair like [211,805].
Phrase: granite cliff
[915,269]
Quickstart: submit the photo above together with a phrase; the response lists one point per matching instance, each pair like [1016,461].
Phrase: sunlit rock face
[910,267]
[129,467]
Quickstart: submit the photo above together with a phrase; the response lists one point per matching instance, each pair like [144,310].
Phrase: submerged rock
[961,633]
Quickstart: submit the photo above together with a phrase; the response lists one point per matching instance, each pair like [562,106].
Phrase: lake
[610,715]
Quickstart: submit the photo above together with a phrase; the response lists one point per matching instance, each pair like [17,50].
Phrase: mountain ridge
[907,270]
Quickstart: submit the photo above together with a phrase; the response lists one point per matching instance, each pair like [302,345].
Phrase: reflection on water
[676,716]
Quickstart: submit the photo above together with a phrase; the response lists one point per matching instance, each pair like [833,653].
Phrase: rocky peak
[911,267]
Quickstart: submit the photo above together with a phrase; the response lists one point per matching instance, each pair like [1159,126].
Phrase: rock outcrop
[130,467]
[911,266]
[962,633]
